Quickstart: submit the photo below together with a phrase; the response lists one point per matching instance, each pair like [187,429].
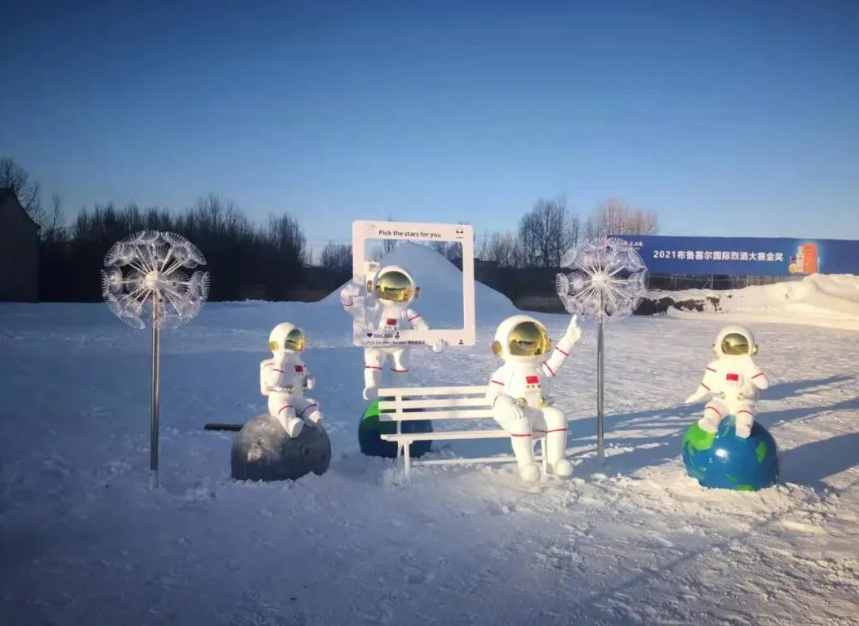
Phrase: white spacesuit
[732,381]
[390,291]
[520,402]
[284,377]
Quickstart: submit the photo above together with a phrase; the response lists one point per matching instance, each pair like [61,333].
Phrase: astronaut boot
[556,444]
[744,424]
[291,424]
[313,418]
[529,471]
[372,378]
[710,421]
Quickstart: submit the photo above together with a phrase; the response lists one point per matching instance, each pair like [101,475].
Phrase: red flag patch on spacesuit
[733,377]
[532,380]
[391,322]
[299,368]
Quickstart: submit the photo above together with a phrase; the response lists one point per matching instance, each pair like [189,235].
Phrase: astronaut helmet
[735,341]
[394,285]
[521,338]
[287,338]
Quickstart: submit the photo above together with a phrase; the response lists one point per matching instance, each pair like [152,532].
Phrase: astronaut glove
[574,333]
[695,397]
[509,408]
[348,293]
[309,382]
[438,345]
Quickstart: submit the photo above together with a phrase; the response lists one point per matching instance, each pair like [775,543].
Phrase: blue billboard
[745,256]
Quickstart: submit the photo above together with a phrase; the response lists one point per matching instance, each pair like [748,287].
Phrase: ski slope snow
[831,301]
[83,540]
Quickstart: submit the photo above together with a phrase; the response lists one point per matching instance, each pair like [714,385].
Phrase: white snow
[830,301]
[83,541]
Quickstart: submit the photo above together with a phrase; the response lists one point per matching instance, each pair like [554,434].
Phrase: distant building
[19,251]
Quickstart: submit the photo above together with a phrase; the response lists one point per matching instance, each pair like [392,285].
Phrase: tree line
[543,235]
[269,259]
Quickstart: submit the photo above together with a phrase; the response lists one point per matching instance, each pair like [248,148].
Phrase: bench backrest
[416,403]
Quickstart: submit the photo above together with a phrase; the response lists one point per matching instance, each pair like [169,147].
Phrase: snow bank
[820,300]
[441,287]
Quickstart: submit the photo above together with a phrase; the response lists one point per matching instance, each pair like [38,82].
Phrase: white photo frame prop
[367,230]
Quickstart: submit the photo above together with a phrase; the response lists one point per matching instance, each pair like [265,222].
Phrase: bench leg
[407,457]
[399,444]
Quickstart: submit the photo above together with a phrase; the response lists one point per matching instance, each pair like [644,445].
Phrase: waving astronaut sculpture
[389,293]
[517,391]
[732,381]
[284,378]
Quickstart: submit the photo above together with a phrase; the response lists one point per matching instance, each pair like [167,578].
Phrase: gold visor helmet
[395,286]
[735,344]
[526,339]
[736,340]
[295,340]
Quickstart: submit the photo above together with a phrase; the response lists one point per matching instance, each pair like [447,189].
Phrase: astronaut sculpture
[731,381]
[285,377]
[518,392]
[386,306]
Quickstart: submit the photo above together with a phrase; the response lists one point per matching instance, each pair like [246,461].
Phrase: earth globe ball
[722,460]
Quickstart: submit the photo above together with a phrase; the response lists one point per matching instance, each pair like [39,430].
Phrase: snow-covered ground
[819,300]
[83,540]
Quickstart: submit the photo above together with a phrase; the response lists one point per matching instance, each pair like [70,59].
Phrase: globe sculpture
[263,451]
[721,460]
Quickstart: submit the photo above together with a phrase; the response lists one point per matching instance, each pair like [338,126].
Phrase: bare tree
[54,225]
[613,217]
[18,180]
[287,237]
[337,257]
[573,232]
[388,244]
[498,247]
[545,233]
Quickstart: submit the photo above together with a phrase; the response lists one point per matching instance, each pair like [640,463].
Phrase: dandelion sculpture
[607,280]
[146,275]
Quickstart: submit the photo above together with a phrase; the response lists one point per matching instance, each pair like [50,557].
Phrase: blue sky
[727,118]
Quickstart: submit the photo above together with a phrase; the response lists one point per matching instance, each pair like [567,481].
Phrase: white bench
[441,403]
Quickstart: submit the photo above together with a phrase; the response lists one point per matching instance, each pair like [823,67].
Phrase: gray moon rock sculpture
[263,451]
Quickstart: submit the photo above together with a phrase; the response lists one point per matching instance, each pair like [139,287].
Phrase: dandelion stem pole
[156,383]
[600,379]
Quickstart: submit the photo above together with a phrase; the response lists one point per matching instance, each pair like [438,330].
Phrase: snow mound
[441,287]
[821,300]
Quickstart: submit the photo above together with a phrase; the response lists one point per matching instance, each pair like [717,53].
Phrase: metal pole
[156,361]
[600,378]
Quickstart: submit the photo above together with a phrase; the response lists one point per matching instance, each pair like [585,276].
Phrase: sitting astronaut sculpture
[518,394]
[284,377]
[732,381]
[390,291]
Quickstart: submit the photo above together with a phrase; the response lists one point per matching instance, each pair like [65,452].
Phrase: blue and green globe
[721,460]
